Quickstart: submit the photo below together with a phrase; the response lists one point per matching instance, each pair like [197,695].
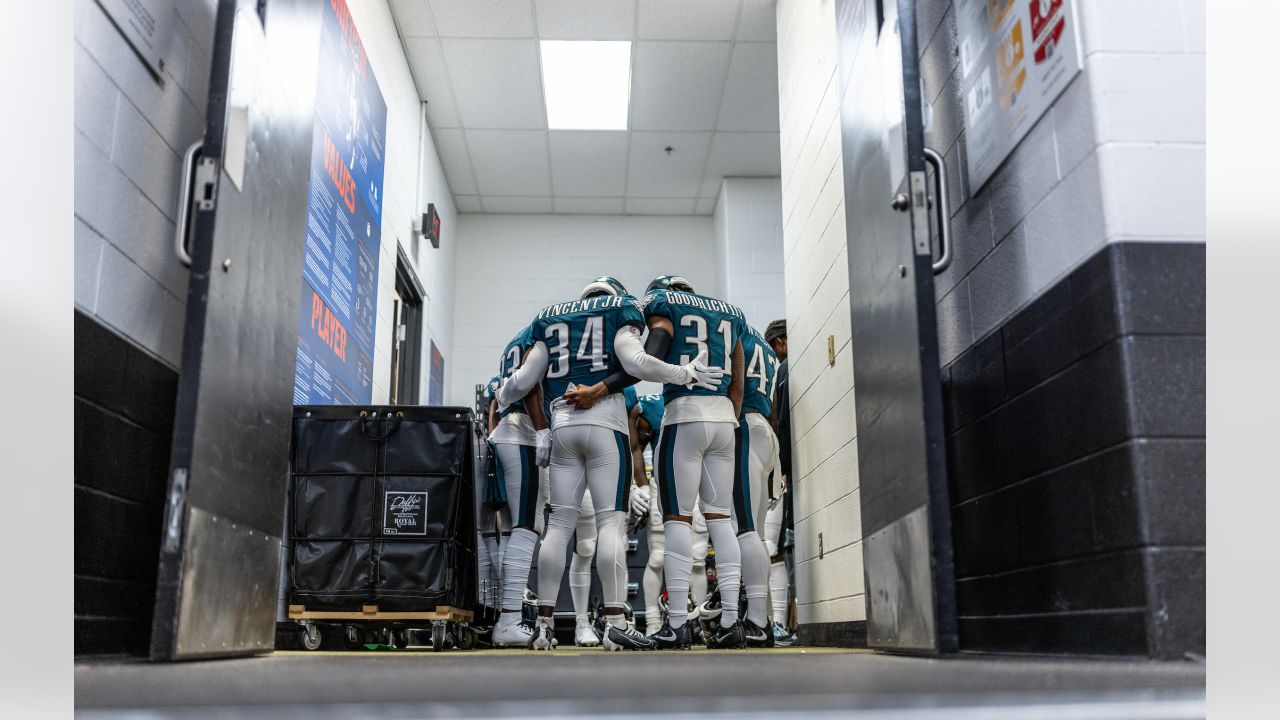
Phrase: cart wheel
[467,638]
[400,638]
[437,636]
[353,637]
[310,636]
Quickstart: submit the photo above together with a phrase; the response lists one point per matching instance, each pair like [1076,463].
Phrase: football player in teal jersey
[756,453]
[695,460]
[515,439]
[582,342]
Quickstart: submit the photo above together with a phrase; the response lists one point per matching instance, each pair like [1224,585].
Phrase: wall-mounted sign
[146,25]
[344,222]
[431,225]
[1016,57]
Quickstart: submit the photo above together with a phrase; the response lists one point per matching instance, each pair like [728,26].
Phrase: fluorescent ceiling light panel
[587,84]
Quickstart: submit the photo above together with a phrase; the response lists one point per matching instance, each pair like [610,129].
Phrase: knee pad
[585,547]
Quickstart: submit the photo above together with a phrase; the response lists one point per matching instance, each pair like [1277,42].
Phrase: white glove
[640,500]
[497,394]
[702,376]
[543,442]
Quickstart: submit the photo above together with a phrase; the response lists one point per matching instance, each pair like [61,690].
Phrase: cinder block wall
[130,293]
[1071,325]
[830,592]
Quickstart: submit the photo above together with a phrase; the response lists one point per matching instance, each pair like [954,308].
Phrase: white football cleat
[512,634]
[584,635]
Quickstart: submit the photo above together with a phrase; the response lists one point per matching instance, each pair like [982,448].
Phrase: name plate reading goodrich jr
[404,513]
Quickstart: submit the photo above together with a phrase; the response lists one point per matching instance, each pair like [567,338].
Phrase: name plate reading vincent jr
[404,513]
[1016,57]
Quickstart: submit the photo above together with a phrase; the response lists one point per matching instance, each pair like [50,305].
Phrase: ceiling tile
[589,205]
[586,19]
[426,62]
[467,203]
[452,148]
[653,173]
[659,206]
[496,83]
[413,18]
[585,162]
[510,162]
[751,93]
[741,155]
[684,20]
[483,18]
[677,85]
[705,206]
[500,204]
[758,21]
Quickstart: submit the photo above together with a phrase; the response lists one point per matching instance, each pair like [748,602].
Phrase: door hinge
[206,184]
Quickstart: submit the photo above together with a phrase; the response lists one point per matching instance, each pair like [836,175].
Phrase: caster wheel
[437,637]
[352,637]
[400,639]
[467,638]
[310,637]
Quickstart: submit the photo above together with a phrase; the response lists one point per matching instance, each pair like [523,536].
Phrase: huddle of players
[562,401]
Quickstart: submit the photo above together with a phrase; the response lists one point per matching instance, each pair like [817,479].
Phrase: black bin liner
[382,508]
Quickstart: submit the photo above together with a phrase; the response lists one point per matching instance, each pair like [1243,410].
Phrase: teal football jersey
[698,323]
[512,357]
[629,393]
[762,371]
[579,339]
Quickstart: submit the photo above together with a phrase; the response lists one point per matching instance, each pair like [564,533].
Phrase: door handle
[187,179]
[932,157]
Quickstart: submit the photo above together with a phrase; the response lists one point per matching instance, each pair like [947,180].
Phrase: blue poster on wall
[344,223]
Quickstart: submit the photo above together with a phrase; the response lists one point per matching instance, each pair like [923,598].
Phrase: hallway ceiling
[703,82]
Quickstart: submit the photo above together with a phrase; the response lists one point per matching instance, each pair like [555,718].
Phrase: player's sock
[580,584]
[728,567]
[515,570]
[677,564]
[778,591]
[755,576]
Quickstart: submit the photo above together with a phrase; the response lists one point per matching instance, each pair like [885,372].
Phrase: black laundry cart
[382,510]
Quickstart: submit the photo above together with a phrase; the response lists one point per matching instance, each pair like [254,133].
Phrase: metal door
[221,544]
[897,385]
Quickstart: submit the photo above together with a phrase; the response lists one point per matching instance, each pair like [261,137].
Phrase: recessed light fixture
[587,84]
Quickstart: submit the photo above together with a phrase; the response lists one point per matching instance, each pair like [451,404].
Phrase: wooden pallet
[371,612]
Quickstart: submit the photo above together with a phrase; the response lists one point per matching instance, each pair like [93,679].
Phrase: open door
[247,210]
[901,451]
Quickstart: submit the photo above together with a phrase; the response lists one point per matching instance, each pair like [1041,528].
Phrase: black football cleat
[626,639]
[669,638]
[756,636]
[727,637]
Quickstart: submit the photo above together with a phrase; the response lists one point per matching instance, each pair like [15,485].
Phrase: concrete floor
[819,683]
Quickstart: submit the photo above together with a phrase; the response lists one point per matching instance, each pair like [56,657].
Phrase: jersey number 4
[590,348]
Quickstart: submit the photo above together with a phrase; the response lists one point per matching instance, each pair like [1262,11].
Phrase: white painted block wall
[404,199]
[824,460]
[748,243]
[514,265]
[130,132]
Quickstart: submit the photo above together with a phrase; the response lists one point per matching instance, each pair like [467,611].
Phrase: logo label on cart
[404,513]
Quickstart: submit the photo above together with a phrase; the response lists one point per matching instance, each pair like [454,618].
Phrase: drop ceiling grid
[479,44]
